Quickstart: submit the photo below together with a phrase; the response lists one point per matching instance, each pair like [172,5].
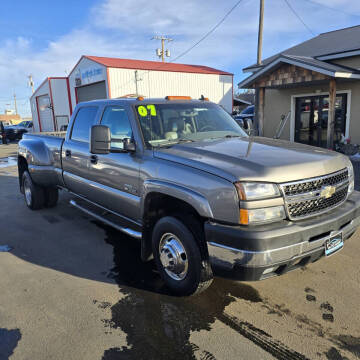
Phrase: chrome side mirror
[129,145]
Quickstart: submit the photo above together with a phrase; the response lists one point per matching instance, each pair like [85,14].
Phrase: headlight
[351,178]
[256,191]
[256,216]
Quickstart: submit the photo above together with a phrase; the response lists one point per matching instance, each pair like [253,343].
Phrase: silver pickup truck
[200,195]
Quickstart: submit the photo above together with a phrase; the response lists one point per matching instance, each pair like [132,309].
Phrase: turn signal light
[244,217]
[140,98]
[178,98]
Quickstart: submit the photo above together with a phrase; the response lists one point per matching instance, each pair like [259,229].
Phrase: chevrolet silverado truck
[202,197]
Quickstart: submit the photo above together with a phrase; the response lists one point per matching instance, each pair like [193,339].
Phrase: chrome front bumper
[228,257]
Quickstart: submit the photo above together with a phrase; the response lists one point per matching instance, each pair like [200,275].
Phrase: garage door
[46,118]
[91,92]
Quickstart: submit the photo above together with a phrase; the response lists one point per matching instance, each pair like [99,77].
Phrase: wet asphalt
[74,288]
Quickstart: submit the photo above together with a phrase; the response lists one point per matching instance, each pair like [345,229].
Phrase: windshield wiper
[175,142]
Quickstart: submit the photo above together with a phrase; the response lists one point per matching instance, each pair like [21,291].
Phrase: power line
[194,45]
[209,32]
[298,16]
[332,8]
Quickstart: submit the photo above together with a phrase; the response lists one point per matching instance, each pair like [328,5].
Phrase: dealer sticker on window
[333,244]
[145,110]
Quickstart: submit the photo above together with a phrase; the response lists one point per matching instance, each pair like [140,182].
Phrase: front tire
[33,194]
[178,258]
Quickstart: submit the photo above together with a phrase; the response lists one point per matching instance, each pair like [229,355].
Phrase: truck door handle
[93,159]
[68,153]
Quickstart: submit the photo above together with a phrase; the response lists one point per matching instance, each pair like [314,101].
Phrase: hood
[255,159]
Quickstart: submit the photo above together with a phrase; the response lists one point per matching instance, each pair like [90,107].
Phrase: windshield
[166,124]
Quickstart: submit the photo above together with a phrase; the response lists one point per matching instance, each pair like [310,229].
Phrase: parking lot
[72,288]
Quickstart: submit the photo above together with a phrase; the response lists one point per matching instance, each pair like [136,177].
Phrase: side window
[116,119]
[85,118]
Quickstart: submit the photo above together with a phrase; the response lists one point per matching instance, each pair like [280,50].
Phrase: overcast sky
[46,38]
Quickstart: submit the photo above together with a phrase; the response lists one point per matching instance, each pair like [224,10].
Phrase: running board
[127,231]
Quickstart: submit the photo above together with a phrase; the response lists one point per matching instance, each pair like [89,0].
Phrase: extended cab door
[75,151]
[115,176]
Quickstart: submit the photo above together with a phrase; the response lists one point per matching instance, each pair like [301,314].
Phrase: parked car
[246,119]
[15,132]
[200,195]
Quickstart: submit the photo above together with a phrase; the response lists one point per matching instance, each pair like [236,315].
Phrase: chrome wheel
[173,256]
[27,192]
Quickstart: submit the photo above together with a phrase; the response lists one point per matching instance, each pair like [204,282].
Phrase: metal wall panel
[218,88]
[60,98]
[43,89]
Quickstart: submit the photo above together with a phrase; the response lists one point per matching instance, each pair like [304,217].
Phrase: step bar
[127,231]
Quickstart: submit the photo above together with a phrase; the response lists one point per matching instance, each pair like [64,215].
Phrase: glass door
[311,118]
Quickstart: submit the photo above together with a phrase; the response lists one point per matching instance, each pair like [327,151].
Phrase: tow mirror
[100,139]
[129,145]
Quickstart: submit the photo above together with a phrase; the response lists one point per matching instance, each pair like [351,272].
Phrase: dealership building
[108,78]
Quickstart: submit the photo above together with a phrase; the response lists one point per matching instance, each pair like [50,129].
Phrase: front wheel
[178,258]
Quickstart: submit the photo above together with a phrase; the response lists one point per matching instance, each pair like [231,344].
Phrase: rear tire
[51,196]
[178,258]
[34,195]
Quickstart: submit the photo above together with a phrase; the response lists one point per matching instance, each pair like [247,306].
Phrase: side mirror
[129,145]
[100,139]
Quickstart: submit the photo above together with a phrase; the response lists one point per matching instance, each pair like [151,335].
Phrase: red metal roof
[155,65]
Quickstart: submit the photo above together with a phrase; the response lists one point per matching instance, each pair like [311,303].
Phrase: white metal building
[101,77]
[51,104]
[107,78]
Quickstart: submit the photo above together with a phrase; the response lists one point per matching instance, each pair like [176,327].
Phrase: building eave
[282,59]
[339,55]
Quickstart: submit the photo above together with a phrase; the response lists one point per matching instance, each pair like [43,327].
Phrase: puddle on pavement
[8,342]
[158,325]
[9,161]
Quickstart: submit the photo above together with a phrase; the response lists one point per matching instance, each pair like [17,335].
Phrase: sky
[47,38]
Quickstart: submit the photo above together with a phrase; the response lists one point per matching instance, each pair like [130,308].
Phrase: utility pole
[31,83]
[260,92]
[162,52]
[260,34]
[16,111]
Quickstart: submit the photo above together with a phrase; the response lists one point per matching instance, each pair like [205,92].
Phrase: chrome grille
[305,186]
[314,196]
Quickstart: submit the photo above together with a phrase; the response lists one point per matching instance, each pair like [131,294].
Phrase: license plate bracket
[334,243]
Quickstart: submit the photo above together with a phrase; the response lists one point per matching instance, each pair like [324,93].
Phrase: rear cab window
[85,118]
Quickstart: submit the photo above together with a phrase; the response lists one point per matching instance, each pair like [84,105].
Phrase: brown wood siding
[289,74]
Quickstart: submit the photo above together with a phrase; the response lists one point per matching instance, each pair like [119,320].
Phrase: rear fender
[40,162]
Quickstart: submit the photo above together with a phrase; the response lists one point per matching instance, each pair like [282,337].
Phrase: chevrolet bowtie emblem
[327,191]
